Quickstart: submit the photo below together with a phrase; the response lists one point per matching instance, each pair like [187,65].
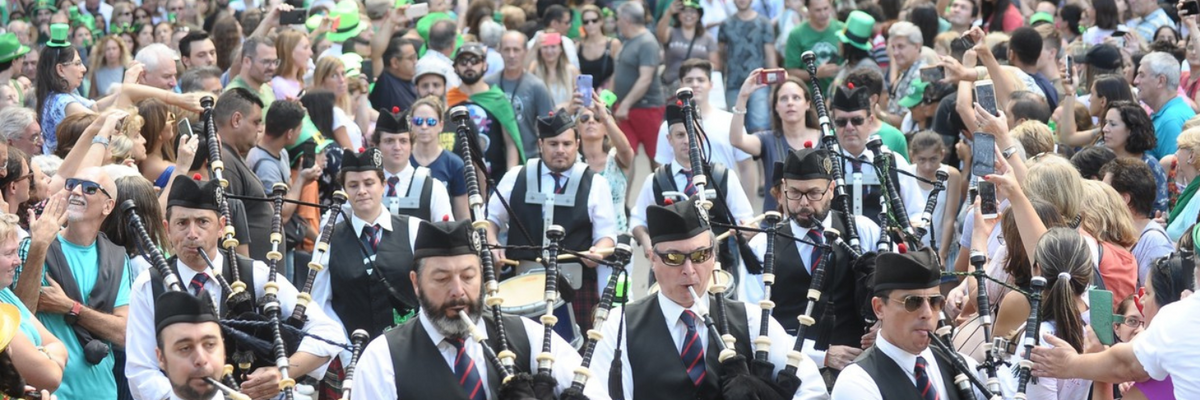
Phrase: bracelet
[736,111]
[103,141]
[980,73]
[1009,151]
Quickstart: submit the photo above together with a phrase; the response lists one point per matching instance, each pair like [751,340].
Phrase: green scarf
[1184,198]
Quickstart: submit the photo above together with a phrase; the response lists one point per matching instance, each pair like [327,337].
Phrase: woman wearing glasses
[683,37]
[427,125]
[1166,283]
[597,51]
[60,72]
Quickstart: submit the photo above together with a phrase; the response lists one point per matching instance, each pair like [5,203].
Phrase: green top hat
[858,29]
[11,48]
[58,35]
[916,92]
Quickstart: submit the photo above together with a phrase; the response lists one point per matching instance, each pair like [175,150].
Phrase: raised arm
[737,126]
[390,25]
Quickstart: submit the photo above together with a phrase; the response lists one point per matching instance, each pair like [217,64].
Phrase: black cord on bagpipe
[896,216]
[304,298]
[830,142]
[270,301]
[991,359]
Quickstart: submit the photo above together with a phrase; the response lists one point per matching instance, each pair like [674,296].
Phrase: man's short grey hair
[250,46]
[1162,64]
[490,33]
[14,120]
[153,55]
[193,79]
[49,163]
[632,11]
[906,30]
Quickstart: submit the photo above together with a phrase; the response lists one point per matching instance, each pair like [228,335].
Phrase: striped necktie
[464,369]
[817,251]
[690,189]
[197,283]
[924,385]
[392,186]
[560,184]
[693,349]
[370,237]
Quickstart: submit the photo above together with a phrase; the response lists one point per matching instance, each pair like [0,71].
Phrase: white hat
[432,65]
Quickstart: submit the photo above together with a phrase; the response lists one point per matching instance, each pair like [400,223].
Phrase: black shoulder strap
[1097,278]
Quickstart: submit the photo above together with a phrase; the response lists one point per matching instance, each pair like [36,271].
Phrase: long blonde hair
[561,71]
[285,43]
[326,67]
[1105,215]
[96,61]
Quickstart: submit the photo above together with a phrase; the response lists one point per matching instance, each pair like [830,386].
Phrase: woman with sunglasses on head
[60,73]
[551,64]
[15,184]
[605,149]
[427,151]
[597,51]
[159,131]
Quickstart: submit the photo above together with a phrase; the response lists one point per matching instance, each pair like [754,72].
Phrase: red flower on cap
[808,144]
[446,218]
[362,149]
[196,176]
[850,85]
[395,109]
[668,201]
[901,248]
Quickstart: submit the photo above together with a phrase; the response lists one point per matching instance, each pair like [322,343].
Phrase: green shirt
[893,139]
[265,93]
[824,44]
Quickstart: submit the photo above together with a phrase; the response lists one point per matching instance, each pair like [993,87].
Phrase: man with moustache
[491,111]
[433,356]
[259,61]
[190,346]
[807,196]
[194,222]
[366,285]
[901,363]
[558,190]
[410,189]
[668,352]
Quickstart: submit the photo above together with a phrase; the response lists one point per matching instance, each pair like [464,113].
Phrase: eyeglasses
[418,121]
[75,63]
[913,302]
[89,188]
[585,118]
[467,61]
[675,258]
[28,176]
[857,121]
[269,63]
[591,21]
[1129,321]
[812,195]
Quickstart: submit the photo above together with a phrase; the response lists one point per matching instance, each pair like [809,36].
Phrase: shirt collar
[186,273]
[405,175]
[1166,106]
[672,310]
[676,168]
[907,361]
[436,336]
[384,220]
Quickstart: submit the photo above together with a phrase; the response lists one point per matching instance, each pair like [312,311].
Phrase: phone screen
[987,200]
[583,83]
[417,10]
[185,128]
[1100,304]
[985,95]
[933,74]
[983,154]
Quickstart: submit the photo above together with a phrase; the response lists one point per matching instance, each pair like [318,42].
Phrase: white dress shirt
[439,199]
[147,381]
[735,197]
[322,293]
[716,123]
[374,378]
[812,386]
[1165,348]
[910,190]
[750,286]
[855,384]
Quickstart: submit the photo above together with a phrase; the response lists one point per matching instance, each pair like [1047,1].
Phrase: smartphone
[294,17]
[1119,36]
[772,76]
[933,74]
[985,95]
[583,84]
[1190,8]
[184,129]
[983,159]
[1070,70]
[417,10]
[1100,303]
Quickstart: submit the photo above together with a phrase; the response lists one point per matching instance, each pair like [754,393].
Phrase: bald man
[85,288]
[529,95]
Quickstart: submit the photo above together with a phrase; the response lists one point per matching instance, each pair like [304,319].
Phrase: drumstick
[748,224]
[603,252]
[510,262]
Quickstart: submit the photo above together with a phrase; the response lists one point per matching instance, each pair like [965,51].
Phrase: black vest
[657,368]
[893,382]
[421,373]
[792,281]
[871,206]
[362,301]
[665,181]
[103,296]
[423,209]
[245,268]
[575,220]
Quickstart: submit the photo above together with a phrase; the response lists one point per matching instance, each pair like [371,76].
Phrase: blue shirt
[1160,182]
[448,168]
[27,327]
[81,379]
[53,112]
[1168,123]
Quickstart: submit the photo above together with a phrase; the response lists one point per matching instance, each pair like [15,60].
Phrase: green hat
[10,47]
[427,22]
[916,92]
[346,17]
[1041,16]
[858,29]
[353,63]
[44,5]
[58,35]
[694,4]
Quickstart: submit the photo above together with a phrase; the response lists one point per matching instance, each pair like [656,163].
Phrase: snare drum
[524,295]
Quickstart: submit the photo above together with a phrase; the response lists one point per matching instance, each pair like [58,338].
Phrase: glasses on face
[89,188]
[857,121]
[269,63]
[28,176]
[418,121]
[127,13]
[591,21]
[75,63]
[812,195]
[467,61]
[913,302]
[675,258]
[1130,321]
[585,118]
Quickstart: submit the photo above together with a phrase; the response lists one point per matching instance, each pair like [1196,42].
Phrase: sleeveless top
[601,68]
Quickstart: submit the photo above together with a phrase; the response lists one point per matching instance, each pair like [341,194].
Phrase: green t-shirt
[264,92]
[81,379]
[893,139]
[824,44]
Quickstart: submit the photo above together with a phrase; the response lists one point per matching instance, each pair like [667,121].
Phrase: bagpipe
[829,142]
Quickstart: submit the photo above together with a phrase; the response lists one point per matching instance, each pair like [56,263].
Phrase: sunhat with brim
[10,324]
[11,48]
[353,63]
[916,92]
[346,22]
[858,29]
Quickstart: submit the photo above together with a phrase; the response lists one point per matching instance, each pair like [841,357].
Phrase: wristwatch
[1009,151]
[73,316]
[103,141]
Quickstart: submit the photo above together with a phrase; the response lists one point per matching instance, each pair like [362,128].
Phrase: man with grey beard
[433,356]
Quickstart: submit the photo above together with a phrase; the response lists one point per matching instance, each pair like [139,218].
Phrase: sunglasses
[675,258]
[418,121]
[89,188]
[590,21]
[913,302]
[857,121]
[586,118]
